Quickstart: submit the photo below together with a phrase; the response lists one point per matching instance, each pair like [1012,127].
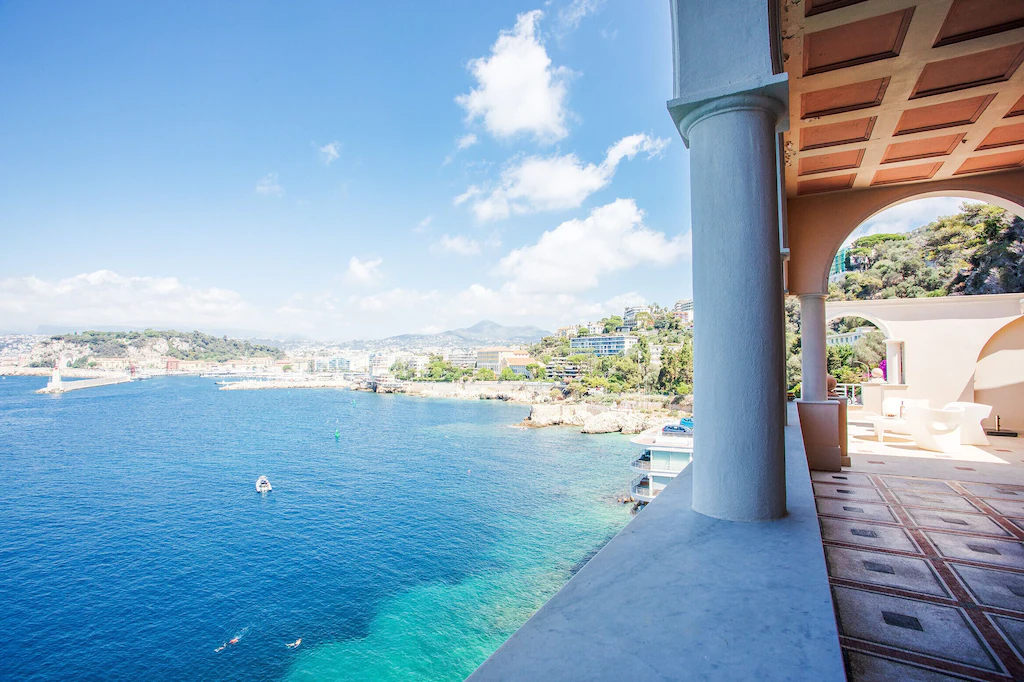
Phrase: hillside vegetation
[980,250]
[182,345]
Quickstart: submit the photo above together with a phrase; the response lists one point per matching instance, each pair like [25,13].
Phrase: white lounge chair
[890,419]
[936,430]
[971,431]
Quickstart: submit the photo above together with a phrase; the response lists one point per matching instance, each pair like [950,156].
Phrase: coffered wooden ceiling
[900,91]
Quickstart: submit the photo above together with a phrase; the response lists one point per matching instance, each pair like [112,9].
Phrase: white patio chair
[972,432]
[936,430]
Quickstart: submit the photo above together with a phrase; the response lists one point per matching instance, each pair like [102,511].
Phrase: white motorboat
[263,485]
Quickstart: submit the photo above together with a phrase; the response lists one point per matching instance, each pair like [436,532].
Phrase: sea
[404,539]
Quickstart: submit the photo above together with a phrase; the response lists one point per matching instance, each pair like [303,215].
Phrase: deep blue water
[132,541]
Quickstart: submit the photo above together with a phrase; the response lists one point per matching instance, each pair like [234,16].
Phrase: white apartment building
[461,357]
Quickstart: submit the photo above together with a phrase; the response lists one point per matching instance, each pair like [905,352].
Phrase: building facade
[603,345]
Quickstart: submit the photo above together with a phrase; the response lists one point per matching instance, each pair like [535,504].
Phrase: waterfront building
[594,327]
[379,364]
[491,358]
[664,456]
[567,332]
[339,365]
[603,345]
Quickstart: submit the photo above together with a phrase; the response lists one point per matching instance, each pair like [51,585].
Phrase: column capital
[811,296]
[767,94]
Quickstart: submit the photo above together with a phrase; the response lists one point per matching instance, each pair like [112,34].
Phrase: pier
[58,385]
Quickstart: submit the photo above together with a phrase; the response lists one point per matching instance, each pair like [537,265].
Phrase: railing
[641,463]
[641,485]
[852,392]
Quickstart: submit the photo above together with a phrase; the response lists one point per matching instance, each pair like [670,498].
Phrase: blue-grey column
[739,360]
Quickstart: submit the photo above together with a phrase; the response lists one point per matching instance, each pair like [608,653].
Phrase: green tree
[508,375]
[485,374]
[610,323]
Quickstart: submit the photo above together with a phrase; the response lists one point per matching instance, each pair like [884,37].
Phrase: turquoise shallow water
[132,542]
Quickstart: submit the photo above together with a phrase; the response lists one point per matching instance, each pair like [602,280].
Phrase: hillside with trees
[980,250]
[182,345]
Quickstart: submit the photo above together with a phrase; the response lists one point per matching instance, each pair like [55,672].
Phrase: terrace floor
[925,554]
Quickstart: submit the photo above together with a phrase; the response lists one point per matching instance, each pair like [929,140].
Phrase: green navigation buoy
[337,434]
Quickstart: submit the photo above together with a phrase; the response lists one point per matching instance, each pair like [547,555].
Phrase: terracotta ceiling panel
[844,98]
[991,162]
[812,7]
[1017,109]
[1003,136]
[942,145]
[823,163]
[858,42]
[968,71]
[830,184]
[831,134]
[969,19]
[936,116]
[921,171]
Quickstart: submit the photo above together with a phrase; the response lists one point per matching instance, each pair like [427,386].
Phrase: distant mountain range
[482,333]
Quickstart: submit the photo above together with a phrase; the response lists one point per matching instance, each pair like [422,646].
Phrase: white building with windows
[664,456]
[603,345]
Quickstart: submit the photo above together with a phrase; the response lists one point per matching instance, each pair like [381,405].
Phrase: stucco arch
[819,224]
[999,375]
[831,315]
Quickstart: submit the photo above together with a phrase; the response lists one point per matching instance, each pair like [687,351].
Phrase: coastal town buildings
[603,345]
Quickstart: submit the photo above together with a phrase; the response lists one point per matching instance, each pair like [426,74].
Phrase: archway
[999,377]
[910,264]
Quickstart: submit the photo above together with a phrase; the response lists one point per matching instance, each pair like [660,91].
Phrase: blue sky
[337,169]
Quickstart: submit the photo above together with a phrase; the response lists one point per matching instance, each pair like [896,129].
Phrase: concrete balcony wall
[737,601]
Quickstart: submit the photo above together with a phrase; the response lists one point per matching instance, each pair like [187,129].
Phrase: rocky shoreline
[597,418]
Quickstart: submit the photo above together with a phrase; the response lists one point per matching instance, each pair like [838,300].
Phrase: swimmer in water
[225,645]
[295,644]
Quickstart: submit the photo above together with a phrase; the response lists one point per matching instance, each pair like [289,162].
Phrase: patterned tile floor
[927,575]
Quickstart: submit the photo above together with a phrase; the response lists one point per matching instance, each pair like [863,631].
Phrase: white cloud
[459,245]
[466,141]
[908,216]
[106,298]
[518,90]
[613,237]
[471,191]
[422,225]
[572,14]
[553,183]
[363,271]
[269,186]
[330,152]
